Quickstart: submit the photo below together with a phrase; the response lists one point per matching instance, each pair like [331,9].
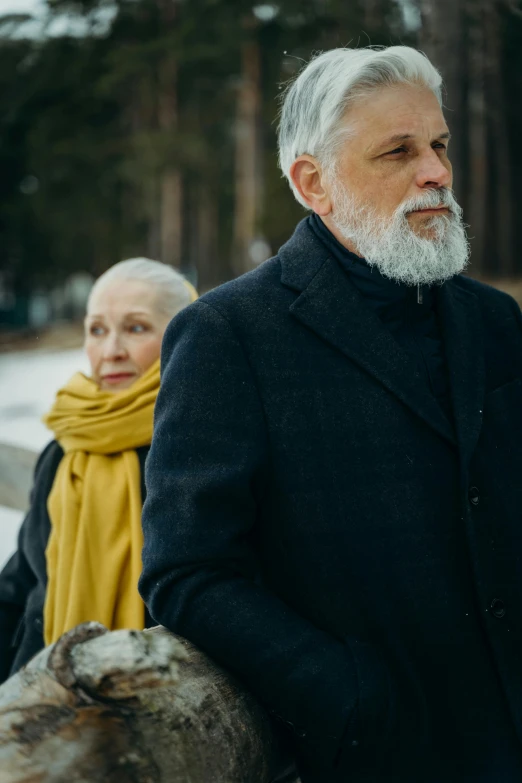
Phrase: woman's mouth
[118,377]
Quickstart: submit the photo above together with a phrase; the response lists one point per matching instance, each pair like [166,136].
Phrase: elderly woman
[79,548]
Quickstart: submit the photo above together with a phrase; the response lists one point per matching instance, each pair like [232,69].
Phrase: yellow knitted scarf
[94,550]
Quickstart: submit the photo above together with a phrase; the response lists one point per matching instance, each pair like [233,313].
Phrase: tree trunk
[442,38]
[477,201]
[374,15]
[142,113]
[170,183]
[151,189]
[205,238]
[502,245]
[131,707]
[248,180]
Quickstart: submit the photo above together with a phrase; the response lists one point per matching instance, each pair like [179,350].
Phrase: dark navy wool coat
[315,523]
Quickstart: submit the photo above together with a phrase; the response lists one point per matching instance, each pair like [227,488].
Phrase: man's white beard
[394,248]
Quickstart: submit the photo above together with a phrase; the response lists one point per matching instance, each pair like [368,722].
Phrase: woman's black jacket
[23,581]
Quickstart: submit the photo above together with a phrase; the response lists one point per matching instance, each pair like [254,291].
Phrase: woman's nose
[114,347]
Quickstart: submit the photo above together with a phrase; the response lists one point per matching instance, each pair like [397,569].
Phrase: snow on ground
[28,382]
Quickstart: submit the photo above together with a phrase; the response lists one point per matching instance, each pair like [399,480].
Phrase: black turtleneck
[414,324]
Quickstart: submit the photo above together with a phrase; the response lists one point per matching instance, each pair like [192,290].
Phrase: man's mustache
[431,199]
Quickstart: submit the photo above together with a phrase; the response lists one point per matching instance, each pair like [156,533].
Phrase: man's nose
[433,172]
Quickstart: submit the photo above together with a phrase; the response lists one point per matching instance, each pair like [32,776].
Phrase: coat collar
[330,305]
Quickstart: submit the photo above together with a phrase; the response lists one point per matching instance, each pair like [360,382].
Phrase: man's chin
[427,226]
[412,275]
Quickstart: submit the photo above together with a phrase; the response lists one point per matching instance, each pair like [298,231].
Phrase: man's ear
[306,174]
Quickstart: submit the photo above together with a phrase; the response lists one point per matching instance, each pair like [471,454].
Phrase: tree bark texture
[130,707]
[204,238]
[143,120]
[248,187]
[170,177]
[477,200]
[501,199]
[374,15]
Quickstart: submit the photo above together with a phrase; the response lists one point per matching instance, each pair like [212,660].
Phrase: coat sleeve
[518,314]
[17,578]
[16,581]
[204,477]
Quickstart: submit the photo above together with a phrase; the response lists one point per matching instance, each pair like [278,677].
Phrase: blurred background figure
[79,548]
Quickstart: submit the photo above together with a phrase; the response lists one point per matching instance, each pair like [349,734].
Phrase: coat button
[473,495]
[498,607]
[38,623]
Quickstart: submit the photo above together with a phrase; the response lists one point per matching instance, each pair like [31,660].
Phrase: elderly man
[334,507]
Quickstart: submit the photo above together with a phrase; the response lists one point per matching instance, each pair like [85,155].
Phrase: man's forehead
[396,113]
[398,138]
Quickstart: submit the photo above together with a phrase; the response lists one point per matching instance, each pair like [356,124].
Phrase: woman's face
[123,332]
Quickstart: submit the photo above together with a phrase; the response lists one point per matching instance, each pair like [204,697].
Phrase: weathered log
[127,706]
[16,474]
[131,707]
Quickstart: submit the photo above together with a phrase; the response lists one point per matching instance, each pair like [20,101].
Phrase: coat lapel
[462,333]
[331,306]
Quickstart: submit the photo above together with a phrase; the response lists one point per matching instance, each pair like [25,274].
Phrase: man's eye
[439,145]
[397,151]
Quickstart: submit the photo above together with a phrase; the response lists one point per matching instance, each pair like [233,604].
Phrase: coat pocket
[392,714]
[368,735]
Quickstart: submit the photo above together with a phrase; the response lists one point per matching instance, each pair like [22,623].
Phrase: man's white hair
[174,292]
[314,105]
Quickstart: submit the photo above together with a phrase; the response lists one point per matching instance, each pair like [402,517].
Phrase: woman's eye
[96,331]
[137,328]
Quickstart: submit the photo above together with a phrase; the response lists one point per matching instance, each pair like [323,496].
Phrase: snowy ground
[28,383]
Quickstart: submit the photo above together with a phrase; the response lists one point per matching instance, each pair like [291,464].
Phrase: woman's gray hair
[174,292]
[314,105]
